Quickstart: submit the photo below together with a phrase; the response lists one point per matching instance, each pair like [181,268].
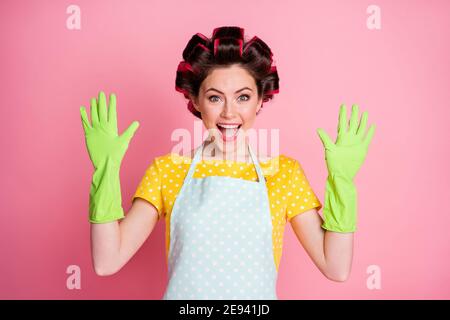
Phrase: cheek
[209,116]
[209,109]
[249,116]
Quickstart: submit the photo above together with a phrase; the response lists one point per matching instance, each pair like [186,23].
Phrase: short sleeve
[150,188]
[300,196]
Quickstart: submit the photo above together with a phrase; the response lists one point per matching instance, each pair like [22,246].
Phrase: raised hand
[102,139]
[106,150]
[345,157]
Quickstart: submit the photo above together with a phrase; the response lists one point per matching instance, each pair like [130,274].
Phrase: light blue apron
[221,239]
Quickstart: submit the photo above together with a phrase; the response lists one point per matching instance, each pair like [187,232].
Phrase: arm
[330,243]
[331,252]
[114,243]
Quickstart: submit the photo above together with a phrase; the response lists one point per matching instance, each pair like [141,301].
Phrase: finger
[102,117]
[326,141]
[129,133]
[94,114]
[112,112]
[342,119]
[362,125]
[84,119]
[369,136]
[354,119]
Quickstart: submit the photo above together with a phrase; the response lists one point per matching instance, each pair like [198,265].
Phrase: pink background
[325,55]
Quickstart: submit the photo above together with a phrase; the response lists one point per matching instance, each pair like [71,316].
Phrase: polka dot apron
[221,239]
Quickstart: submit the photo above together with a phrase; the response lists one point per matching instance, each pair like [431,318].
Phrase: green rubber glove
[106,150]
[343,159]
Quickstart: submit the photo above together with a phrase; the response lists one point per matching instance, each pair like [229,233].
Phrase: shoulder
[168,161]
[278,165]
[289,162]
[271,164]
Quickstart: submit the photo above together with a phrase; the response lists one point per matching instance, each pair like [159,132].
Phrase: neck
[232,152]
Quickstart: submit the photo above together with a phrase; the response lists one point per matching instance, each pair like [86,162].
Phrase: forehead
[229,79]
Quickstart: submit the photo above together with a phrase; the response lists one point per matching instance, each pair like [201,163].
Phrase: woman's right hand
[106,150]
[102,140]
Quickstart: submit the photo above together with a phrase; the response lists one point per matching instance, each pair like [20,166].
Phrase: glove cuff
[105,198]
[340,208]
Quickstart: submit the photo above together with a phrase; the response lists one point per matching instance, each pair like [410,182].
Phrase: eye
[244,95]
[212,97]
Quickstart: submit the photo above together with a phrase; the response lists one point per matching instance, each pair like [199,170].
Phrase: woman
[224,219]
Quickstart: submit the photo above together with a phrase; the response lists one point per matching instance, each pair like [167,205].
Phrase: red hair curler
[184,66]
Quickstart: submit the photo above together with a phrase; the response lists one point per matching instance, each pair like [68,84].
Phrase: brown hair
[226,47]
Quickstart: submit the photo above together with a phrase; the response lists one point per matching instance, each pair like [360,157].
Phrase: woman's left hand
[345,157]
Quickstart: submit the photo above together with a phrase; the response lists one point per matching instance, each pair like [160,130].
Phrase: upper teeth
[228,126]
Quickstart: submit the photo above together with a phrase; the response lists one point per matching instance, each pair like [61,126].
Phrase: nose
[228,110]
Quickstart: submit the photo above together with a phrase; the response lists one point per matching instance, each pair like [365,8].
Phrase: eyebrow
[223,93]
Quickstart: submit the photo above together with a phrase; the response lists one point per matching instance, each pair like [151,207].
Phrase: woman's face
[228,102]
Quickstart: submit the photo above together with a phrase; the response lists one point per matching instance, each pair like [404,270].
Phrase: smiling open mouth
[229,131]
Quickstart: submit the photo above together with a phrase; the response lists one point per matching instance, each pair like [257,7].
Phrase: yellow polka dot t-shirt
[288,188]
